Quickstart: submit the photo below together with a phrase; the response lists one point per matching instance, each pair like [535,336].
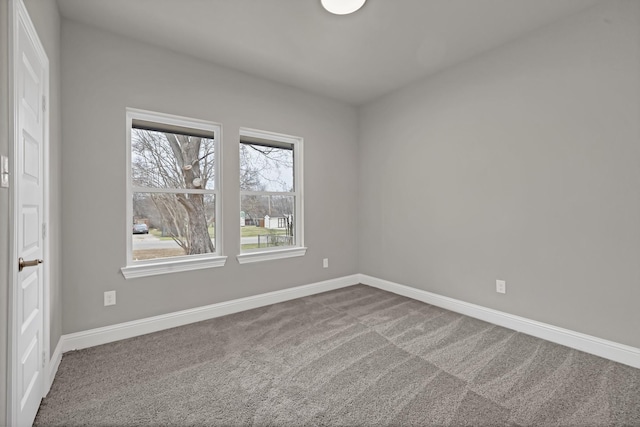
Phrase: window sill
[173,266]
[249,257]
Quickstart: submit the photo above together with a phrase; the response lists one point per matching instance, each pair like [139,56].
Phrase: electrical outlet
[109,298]
[501,286]
[325,263]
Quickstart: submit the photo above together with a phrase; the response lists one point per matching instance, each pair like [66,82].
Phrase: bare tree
[175,161]
[264,168]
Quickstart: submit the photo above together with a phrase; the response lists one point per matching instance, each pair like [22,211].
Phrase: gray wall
[4,208]
[46,19]
[523,165]
[102,74]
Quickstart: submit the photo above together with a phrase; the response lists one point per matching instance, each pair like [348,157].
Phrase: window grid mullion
[268,193]
[171,190]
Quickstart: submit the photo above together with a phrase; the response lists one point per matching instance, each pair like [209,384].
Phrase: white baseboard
[608,349]
[53,365]
[107,334]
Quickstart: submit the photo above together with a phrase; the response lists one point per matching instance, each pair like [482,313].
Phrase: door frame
[18,14]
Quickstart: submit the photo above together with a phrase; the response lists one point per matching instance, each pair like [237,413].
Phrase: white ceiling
[354,58]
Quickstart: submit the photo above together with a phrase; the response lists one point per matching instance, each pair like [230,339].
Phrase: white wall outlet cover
[110,298]
[325,263]
[501,286]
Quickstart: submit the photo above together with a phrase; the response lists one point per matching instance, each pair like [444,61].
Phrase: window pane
[176,225]
[171,160]
[267,221]
[264,168]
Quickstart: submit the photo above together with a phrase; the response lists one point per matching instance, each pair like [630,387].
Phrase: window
[270,196]
[173,187]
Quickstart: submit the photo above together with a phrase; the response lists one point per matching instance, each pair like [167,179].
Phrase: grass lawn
[156,253]
[252,230]
[247,231]
[159,235]
[245,246]
[251,246]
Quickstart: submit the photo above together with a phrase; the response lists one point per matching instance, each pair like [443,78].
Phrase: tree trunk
[186,150]
[199,239]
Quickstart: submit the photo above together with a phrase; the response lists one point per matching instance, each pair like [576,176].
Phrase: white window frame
[144,268]
[267,254]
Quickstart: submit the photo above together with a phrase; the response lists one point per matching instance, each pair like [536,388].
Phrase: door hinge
[44,359]
[44,103]
[44,230]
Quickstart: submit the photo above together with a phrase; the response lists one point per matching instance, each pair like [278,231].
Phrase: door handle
[33,263]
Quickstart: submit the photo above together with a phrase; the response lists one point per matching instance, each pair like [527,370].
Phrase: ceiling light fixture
[342,7]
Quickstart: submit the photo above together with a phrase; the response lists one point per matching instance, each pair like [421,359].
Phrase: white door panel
[31,75]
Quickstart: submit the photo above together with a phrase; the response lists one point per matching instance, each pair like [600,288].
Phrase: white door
[31,80]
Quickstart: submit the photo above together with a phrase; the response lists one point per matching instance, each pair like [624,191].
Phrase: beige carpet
[355,356]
